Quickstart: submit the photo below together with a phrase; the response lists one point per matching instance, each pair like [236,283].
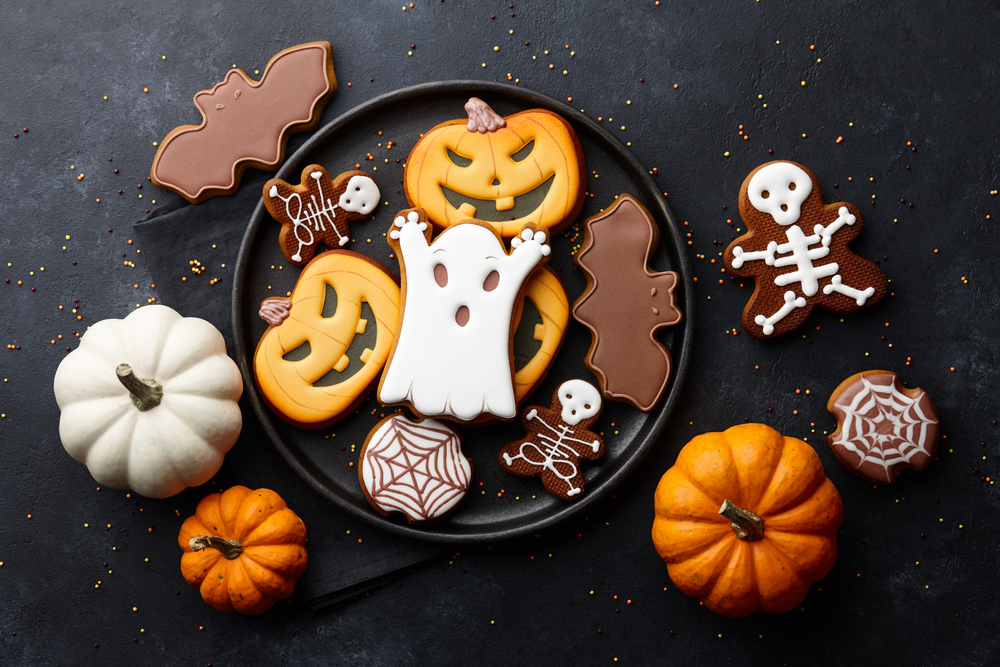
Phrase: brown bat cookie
[246,123]
[557,439]
[625,304]
[882,426]
[796,251]
[318,209]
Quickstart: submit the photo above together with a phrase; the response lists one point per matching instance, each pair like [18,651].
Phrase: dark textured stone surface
[900,72]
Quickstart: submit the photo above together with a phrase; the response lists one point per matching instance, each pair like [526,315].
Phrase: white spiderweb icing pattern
[882,425]
[416,468]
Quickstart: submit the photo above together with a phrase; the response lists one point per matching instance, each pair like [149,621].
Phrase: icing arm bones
[844,217]
[739,257]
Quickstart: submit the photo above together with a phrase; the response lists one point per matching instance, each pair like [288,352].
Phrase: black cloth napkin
[209,234]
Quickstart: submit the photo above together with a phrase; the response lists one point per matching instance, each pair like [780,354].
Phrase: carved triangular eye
[522,155]
[458,160]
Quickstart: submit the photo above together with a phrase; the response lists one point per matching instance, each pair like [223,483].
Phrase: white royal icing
[786,185]
[452,354]
[579,400]
[415,468]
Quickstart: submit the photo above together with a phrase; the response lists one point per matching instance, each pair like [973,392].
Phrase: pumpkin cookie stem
[146,394]
[229,548]
[747,525]
[482,118]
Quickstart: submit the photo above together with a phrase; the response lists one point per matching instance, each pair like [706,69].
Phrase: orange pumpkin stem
[229,548]
[482,118]
[145,394]
[747,525]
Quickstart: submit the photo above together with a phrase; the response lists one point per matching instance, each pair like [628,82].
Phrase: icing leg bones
[780,204]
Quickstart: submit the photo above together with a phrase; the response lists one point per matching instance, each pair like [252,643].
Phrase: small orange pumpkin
[508,172]
[776,531]
[244,549]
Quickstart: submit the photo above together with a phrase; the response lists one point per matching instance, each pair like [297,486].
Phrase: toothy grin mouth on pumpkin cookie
[489,210]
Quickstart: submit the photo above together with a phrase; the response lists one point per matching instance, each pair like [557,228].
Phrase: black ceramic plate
[323,457]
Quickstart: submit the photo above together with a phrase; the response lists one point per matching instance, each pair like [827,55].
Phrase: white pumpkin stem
[229,548]
[145,394]
[747,525]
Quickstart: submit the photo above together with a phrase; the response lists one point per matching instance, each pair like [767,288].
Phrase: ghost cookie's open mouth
[499,210]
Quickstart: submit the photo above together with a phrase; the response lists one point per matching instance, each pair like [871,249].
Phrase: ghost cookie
[414,467]
[318,209]
[625,304]
[452,355]
[797,252]
[326,345]
[557,439]
[882,426]
[508,172]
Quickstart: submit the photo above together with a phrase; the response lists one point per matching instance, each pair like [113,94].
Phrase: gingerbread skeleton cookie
[882,426]
[327,344]
[625,304]
[318,209]
[414,467]
[452,355]
[557,439]
[246,123]
[797,252]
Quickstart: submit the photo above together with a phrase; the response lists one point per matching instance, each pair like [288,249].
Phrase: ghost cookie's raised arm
[410,235]
[527,251]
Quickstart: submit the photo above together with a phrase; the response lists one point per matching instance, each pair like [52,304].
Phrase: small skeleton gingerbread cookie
[796,251]
[556,440]
[318,209]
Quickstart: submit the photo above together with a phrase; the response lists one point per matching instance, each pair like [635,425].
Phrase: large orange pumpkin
[746,520]
[508,172]
[244,549]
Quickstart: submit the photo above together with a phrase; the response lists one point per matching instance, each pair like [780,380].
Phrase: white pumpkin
[133,438]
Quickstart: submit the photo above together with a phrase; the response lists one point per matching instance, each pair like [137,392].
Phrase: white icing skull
[779,189]
[580,400]
[361,195]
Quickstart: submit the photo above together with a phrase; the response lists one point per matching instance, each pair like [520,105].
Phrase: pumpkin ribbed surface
[273,554]
[781,480]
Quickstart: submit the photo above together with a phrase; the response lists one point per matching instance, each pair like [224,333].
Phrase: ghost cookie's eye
[458,160]
[441,275]
[491,281]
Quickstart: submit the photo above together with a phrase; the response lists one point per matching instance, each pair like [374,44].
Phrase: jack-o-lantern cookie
[882,427]
[508,172]
[452,355]
[557,439]
[326,344]
[796,252]
[416,468]
[543,289]
[318,209]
